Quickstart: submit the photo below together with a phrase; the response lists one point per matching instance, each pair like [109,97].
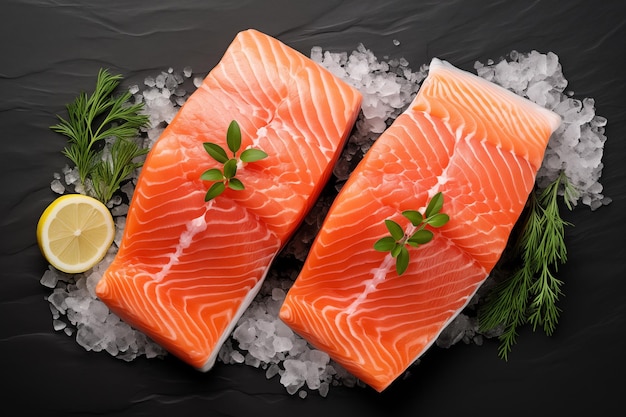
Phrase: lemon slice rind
[75,232]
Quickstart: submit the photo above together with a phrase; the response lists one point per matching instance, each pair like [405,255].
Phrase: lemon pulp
[74,232]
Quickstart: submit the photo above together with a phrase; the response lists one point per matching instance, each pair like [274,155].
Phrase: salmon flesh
[187,269]
[478,144]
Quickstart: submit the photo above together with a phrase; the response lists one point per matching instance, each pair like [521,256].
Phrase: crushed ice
[260,339]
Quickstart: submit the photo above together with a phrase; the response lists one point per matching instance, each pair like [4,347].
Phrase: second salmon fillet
[478,144]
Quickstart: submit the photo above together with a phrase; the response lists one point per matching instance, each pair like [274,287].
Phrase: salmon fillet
[187,269]
[478,144]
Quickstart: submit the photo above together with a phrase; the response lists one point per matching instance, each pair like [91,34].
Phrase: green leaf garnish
[215,190]
[230,168]
[435,205]
[438,219]
[397,248]
[225,177]
[252,155]
[235,184]
[233,137]
[420,237]
[397,243]
[402,260]
[216,151]
[397,232]
[212,174]
[94,118]
[530,293]
[415,217]
[386,244]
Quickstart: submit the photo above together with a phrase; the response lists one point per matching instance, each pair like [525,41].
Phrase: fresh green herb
[92,120]
[225,177]
[114,168]
[531,293]
[399,240]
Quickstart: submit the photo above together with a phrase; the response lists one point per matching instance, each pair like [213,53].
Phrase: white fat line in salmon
[442,178]
[194,227]
[378,275]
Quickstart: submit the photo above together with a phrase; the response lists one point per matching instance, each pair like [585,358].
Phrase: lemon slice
[75,232]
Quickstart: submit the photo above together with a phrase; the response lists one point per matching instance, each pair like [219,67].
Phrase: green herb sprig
[531,293]
[399,241]
[94,118]
[225,177]
[109,173]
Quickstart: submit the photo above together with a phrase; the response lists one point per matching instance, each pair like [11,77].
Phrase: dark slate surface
[50,50]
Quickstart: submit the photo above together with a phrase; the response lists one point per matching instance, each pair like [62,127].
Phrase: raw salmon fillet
[477,143]
[187,269]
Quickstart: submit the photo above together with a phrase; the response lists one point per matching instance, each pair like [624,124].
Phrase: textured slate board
[51,50]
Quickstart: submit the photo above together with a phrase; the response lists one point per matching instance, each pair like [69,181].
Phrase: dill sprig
[531,293]
[398,241]
[115,167]
[94,118]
